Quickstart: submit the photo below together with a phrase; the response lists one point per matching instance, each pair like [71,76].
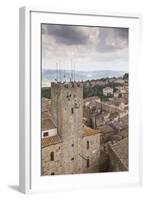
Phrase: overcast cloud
[90,48]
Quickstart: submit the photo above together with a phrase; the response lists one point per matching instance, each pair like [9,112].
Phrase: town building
[107,91]
[118,154]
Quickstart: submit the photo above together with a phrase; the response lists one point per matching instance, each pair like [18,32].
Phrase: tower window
[88,163]
[45,134]
[52,156]
[76,105]
[87,144]
[72,145]
[72,110]
[72,159]
[52,173]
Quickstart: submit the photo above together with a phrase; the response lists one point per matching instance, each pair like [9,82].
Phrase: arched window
[52,156]
[87,144]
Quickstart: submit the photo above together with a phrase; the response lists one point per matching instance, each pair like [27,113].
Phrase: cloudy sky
[89,48]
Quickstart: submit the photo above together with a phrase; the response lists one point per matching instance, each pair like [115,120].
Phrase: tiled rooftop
[124,133]
[48,124]
[121,150]
[51,140]
[105,129]
[87,131]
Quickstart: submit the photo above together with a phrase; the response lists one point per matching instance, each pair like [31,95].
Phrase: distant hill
[51,75]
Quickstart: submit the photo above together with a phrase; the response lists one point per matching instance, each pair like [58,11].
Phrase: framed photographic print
[79,105]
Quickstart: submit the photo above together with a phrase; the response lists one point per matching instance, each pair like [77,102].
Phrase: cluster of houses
[84,135]
[110,118]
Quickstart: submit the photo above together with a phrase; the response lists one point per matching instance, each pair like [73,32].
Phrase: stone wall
[114,162]
[54,166]
[91,152]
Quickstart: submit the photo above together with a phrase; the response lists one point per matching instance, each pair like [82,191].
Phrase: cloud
[112,39]
[68,35]
[91,48]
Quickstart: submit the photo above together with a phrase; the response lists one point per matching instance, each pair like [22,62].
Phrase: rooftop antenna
[59,74]
[57,70]
[56,73]
[67,71]
[64,72]
[74,73]
[70,69]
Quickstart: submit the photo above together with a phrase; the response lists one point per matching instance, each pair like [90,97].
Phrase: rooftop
[95,98]
[48,124]
[124,133]
[51,140]
[107,88]
[105,129]
[91,101]
[87,131]
[121,150]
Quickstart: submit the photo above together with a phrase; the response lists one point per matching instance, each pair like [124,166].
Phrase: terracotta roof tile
[87,131]
[51,140]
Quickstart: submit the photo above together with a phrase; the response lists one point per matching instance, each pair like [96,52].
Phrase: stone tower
[67,111]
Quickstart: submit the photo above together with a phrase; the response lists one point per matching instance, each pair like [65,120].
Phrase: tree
[46,92]
[126,76]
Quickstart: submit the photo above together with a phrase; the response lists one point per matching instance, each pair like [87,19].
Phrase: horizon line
[89,70]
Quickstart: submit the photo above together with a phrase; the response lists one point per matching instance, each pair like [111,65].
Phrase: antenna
[57,71]
[74,73]
[71,69]
[64,71]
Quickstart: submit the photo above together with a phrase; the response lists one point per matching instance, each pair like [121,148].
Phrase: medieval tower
[67,110]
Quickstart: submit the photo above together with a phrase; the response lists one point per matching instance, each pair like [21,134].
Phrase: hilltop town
[85,126]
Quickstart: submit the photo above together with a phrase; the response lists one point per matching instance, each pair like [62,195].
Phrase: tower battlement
[67,84]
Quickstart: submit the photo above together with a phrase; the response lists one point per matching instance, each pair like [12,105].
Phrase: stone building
[108,91]
[106,132]
[48,128]
[71,148]
[118,155]
[48,125]
[90,150]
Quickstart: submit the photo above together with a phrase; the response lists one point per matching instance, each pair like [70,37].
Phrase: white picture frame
[29,160]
